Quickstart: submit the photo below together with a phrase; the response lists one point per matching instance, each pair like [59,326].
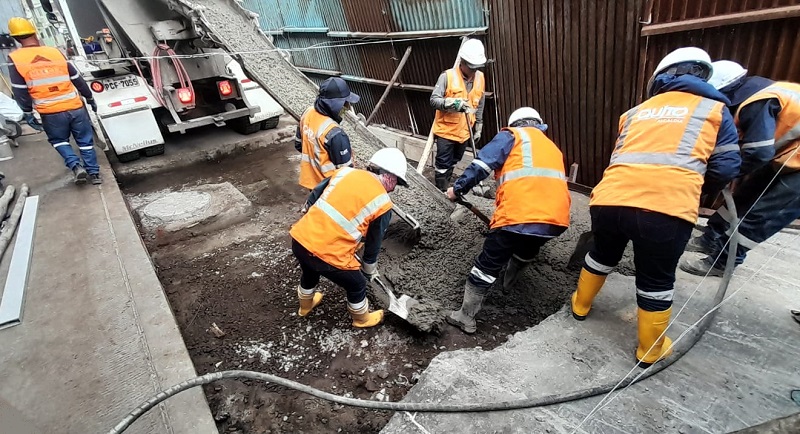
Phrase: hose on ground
[426,407]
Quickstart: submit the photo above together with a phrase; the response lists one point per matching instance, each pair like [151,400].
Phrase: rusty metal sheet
[367,16]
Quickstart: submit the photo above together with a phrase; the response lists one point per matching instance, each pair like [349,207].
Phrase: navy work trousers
[498,248]
[448,154]
[59,126]
[779,206]
[658,242]
[353,282]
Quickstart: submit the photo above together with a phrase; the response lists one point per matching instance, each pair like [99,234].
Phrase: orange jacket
[46,73]
[315,164]
[787,129]
[661,155]
[531,186]
[334,226]
[453,126]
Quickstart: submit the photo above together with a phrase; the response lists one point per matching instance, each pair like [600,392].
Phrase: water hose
[678,352]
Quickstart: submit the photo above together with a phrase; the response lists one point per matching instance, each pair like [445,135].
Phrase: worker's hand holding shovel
[370,271]
[451,194]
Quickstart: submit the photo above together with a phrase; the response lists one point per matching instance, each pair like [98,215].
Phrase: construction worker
[768,198]
[650,192]
[325,147]
[350,207]
[44,80]
[458,97]
[532,206]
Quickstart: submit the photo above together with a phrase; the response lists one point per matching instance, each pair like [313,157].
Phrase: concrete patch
[168,216]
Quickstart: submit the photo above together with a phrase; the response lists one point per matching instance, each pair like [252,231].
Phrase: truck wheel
[243,126]
[128,156]
[152,151]
[270,123]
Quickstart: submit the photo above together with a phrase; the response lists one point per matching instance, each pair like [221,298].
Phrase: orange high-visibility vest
[531,186]
[787,129]
[661,155]
[315,163]
[46,73]
[453,126]
[334,226]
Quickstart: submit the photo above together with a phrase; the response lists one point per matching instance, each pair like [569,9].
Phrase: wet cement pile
[433,271]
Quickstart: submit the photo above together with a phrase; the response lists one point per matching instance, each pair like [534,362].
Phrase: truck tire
[152,151]
[128,156]
[270,123]
[243,126]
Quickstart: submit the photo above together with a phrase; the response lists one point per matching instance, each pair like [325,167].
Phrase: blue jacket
[337,144]
[492,157]
[757,122]
[725,160]
[375,232]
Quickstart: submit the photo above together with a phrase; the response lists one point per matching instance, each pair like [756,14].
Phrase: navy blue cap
[335,88]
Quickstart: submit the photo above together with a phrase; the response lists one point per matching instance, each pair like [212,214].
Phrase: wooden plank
[721,20]
[390,84]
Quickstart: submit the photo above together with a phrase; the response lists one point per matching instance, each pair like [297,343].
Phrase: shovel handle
[461,201]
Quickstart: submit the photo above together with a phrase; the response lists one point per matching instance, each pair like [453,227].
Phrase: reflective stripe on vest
[682,156]
[48,80]
[793,133]
[528,170]
[64,97]
[349,226]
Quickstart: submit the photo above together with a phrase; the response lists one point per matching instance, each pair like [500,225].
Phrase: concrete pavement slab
[97,336]
[739,374]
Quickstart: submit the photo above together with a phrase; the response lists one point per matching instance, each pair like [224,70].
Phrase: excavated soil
[242,281]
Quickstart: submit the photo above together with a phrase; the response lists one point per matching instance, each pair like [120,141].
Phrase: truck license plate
[118,83]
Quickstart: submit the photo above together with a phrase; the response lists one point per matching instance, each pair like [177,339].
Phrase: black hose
[678,352]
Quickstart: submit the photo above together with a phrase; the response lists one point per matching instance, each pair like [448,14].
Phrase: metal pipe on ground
[8,230]
[5,200]
[391,84]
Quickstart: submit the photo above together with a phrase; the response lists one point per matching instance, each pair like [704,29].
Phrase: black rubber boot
[513,270]
[440,180]
[465,317]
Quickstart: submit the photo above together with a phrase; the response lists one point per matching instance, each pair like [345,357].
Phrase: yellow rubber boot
[651,326]
[589,285]
[363,318]
[308,302]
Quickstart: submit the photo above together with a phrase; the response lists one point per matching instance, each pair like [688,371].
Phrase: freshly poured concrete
[97,335]
[741,372]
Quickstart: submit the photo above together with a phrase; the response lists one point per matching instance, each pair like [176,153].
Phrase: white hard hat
[393,161]
[683,55]
[524,113]
[473,53]
[725,73]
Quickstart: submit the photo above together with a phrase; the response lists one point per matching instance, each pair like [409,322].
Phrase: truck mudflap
[131,129]
[218,119]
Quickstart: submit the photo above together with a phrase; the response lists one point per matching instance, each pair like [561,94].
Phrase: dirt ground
[243,280]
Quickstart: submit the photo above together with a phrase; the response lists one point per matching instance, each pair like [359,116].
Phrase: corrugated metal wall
[575,62]
[767,48]
[581,63]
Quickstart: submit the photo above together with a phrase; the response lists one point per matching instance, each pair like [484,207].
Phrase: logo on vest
[666,114]
[309,133]
[39,58]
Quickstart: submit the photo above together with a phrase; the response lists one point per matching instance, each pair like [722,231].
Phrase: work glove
[476,134]
[31,120]
[370,271]
[457,104]
[92,104]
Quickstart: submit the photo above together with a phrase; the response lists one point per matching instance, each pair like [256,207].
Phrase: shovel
[463,202]
[398,306]
[416,230]
[481,189]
